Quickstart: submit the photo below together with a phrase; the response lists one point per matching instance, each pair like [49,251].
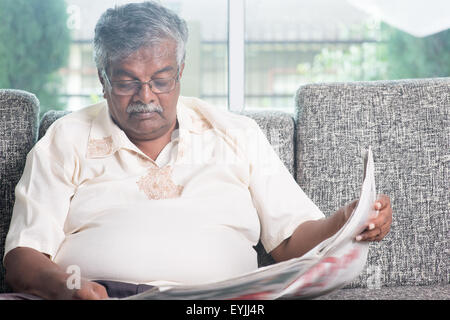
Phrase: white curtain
[419,18]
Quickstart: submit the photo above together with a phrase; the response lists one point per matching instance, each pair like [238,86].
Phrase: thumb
[350,207]
[91,291]
[99,291]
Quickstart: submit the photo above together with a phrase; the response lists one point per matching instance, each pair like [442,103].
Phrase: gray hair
[125,29]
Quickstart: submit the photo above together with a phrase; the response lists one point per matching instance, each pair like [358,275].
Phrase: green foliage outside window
[358,62]
[411,57]
[397,55]
[34,45]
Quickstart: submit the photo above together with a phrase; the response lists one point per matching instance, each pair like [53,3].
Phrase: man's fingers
[91,291]
[382,218]
[380,223]
[383,201]
[99,291]
[377,228]
[375,234]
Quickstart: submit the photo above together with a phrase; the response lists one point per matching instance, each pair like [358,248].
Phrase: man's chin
[147,129]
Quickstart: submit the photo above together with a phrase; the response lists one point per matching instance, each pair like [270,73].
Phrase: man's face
[144,65]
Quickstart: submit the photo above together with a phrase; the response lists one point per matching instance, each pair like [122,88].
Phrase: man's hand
[30,271]
[310,233]
[89,291]
[379,224]
[60,289]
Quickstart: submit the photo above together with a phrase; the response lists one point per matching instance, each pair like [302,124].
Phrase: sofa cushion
[18,132]
[406,122]
[432,292]
[47,120]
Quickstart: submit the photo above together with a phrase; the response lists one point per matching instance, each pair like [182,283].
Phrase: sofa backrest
[18,132]
[406,122]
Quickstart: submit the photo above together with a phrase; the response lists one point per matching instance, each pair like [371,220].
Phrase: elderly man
[153,188]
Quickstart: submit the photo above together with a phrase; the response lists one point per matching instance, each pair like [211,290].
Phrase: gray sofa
[406,123]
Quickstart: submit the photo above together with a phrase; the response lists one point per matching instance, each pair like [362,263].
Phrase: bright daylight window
[285,43]
[293,42]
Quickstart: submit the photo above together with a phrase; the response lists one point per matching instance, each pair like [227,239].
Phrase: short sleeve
[42,200]
[281,203]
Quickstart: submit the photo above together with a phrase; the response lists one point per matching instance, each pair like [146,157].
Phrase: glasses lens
[125,88]
[129,88]
[162,85]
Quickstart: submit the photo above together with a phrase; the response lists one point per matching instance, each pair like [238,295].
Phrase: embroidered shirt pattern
[158,184]
[100,147]
[200,124]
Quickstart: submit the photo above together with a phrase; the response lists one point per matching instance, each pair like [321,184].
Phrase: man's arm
[30,271]
[311,233]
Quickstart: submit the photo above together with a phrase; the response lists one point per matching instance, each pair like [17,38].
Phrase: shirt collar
[105,137]
[192,117]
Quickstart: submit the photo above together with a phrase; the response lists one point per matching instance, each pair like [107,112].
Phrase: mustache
[141,107]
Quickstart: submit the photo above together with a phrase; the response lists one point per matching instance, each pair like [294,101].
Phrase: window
[292,42]
[256,53]
[286,48]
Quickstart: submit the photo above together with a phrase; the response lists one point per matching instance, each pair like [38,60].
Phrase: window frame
[236,55]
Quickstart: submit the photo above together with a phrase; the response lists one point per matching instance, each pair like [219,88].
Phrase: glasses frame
[141,84]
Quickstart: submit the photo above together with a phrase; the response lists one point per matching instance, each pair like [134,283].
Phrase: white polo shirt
[89,197]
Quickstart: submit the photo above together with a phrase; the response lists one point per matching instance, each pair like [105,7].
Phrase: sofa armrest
[19,112]
[407,124]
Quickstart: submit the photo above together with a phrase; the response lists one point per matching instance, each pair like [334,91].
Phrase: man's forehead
[163,50]
[158,49]
[126,71]
[160,58]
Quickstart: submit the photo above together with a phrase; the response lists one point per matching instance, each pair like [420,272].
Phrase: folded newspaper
[330,265]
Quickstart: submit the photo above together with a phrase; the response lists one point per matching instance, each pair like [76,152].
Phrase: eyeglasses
[132,87]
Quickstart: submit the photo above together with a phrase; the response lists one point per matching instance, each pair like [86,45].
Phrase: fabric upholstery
[48,118]
[432,292]
[18,132]
[406,123]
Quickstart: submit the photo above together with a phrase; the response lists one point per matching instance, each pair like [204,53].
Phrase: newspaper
[330,265]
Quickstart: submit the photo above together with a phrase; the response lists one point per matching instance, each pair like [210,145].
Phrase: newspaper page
[330,265]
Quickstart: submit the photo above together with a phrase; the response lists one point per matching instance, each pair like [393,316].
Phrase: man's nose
[145,94]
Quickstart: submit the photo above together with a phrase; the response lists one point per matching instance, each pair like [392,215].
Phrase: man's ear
[181,70]
[100,77]
[102,81]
